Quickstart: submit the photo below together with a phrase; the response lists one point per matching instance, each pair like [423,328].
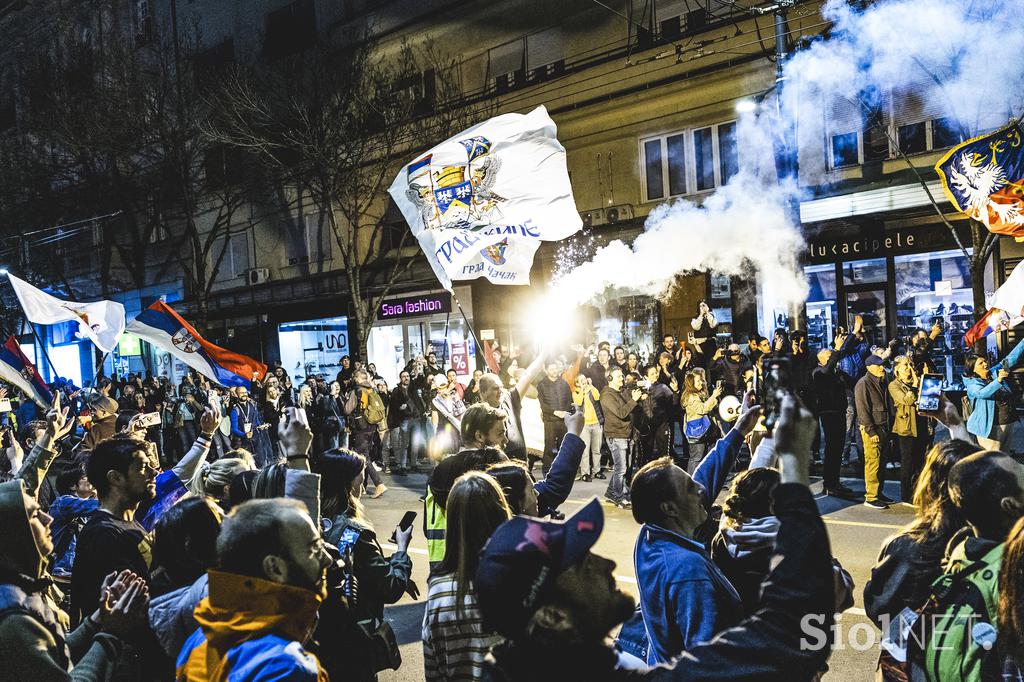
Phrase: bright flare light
[551,320]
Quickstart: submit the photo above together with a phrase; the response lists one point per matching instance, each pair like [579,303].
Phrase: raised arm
[187,466]
[1011,359]
[554,489]
[789,637]
[37,464]
[531,373]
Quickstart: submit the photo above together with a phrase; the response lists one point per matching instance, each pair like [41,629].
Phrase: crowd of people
[197,532]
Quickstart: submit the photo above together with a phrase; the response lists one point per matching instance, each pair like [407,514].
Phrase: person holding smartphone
[913,431]
[371,580]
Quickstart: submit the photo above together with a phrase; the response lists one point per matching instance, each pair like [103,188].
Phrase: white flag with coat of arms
[481,202]
[102,322]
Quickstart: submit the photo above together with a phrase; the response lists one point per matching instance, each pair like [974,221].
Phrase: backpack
[375,412]
[954,636]
[966,407]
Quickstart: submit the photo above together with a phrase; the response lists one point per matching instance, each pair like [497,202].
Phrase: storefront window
[451,340]
[871,271]
[630,321]
[822,312]
[930,286]
[67,360]
[314,346]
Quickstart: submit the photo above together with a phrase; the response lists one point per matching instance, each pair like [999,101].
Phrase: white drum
[729,408]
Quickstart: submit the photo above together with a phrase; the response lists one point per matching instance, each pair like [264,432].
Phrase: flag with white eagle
[481,202]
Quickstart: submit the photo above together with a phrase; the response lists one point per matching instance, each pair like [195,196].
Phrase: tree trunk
[980,305]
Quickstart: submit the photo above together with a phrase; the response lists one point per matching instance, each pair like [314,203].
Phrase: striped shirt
[454,644]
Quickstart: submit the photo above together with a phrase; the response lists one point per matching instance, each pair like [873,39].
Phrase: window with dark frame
[704,158]
[652,161]
[845,150]
[676,163]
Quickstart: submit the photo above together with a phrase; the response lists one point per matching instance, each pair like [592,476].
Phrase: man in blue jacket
[684,597]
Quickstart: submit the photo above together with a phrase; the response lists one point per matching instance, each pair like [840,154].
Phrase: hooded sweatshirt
[34,641]
[742,552]
[251,629]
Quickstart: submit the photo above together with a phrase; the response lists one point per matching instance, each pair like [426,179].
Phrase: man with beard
[685,598]
[539,585]
[401,415]
[123,471]
[245,419]
[270,580]
[555,399]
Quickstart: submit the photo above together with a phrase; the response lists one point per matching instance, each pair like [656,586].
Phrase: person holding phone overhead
[703,335]
[993,405]
[912,430]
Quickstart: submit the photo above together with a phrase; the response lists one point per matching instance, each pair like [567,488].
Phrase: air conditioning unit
[618,214]
[593,218]
[257,276]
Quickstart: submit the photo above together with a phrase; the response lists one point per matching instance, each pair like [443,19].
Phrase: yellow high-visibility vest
[434,526]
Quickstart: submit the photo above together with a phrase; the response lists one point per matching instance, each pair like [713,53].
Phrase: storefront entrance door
[870,305]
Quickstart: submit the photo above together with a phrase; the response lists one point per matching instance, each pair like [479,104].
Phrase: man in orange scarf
[263,600]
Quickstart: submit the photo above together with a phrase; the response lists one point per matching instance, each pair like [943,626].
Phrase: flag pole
[42,347]
[476,339]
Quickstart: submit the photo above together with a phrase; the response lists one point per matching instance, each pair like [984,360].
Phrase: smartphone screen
[777,383]
[931,391]
[405,523]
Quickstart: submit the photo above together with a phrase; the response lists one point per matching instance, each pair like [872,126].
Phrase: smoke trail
[951,58]
[739,229]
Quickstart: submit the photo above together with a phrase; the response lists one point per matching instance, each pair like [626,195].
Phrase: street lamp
[746,106]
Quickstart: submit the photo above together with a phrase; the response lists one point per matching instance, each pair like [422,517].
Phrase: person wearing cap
[871,395]
[539,585]
[684,597]
[104,421]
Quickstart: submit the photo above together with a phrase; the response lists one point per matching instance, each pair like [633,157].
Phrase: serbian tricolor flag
[19,370]
[1006,308]
[167,330]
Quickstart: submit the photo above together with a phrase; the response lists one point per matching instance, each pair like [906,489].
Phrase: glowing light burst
[552,320]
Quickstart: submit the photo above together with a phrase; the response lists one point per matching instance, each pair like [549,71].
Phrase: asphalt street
[856,534]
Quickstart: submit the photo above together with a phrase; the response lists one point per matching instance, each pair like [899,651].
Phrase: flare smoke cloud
[958,59]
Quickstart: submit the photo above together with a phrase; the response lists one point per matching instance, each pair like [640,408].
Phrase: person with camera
[828,388]
[730,366]
[697,405]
